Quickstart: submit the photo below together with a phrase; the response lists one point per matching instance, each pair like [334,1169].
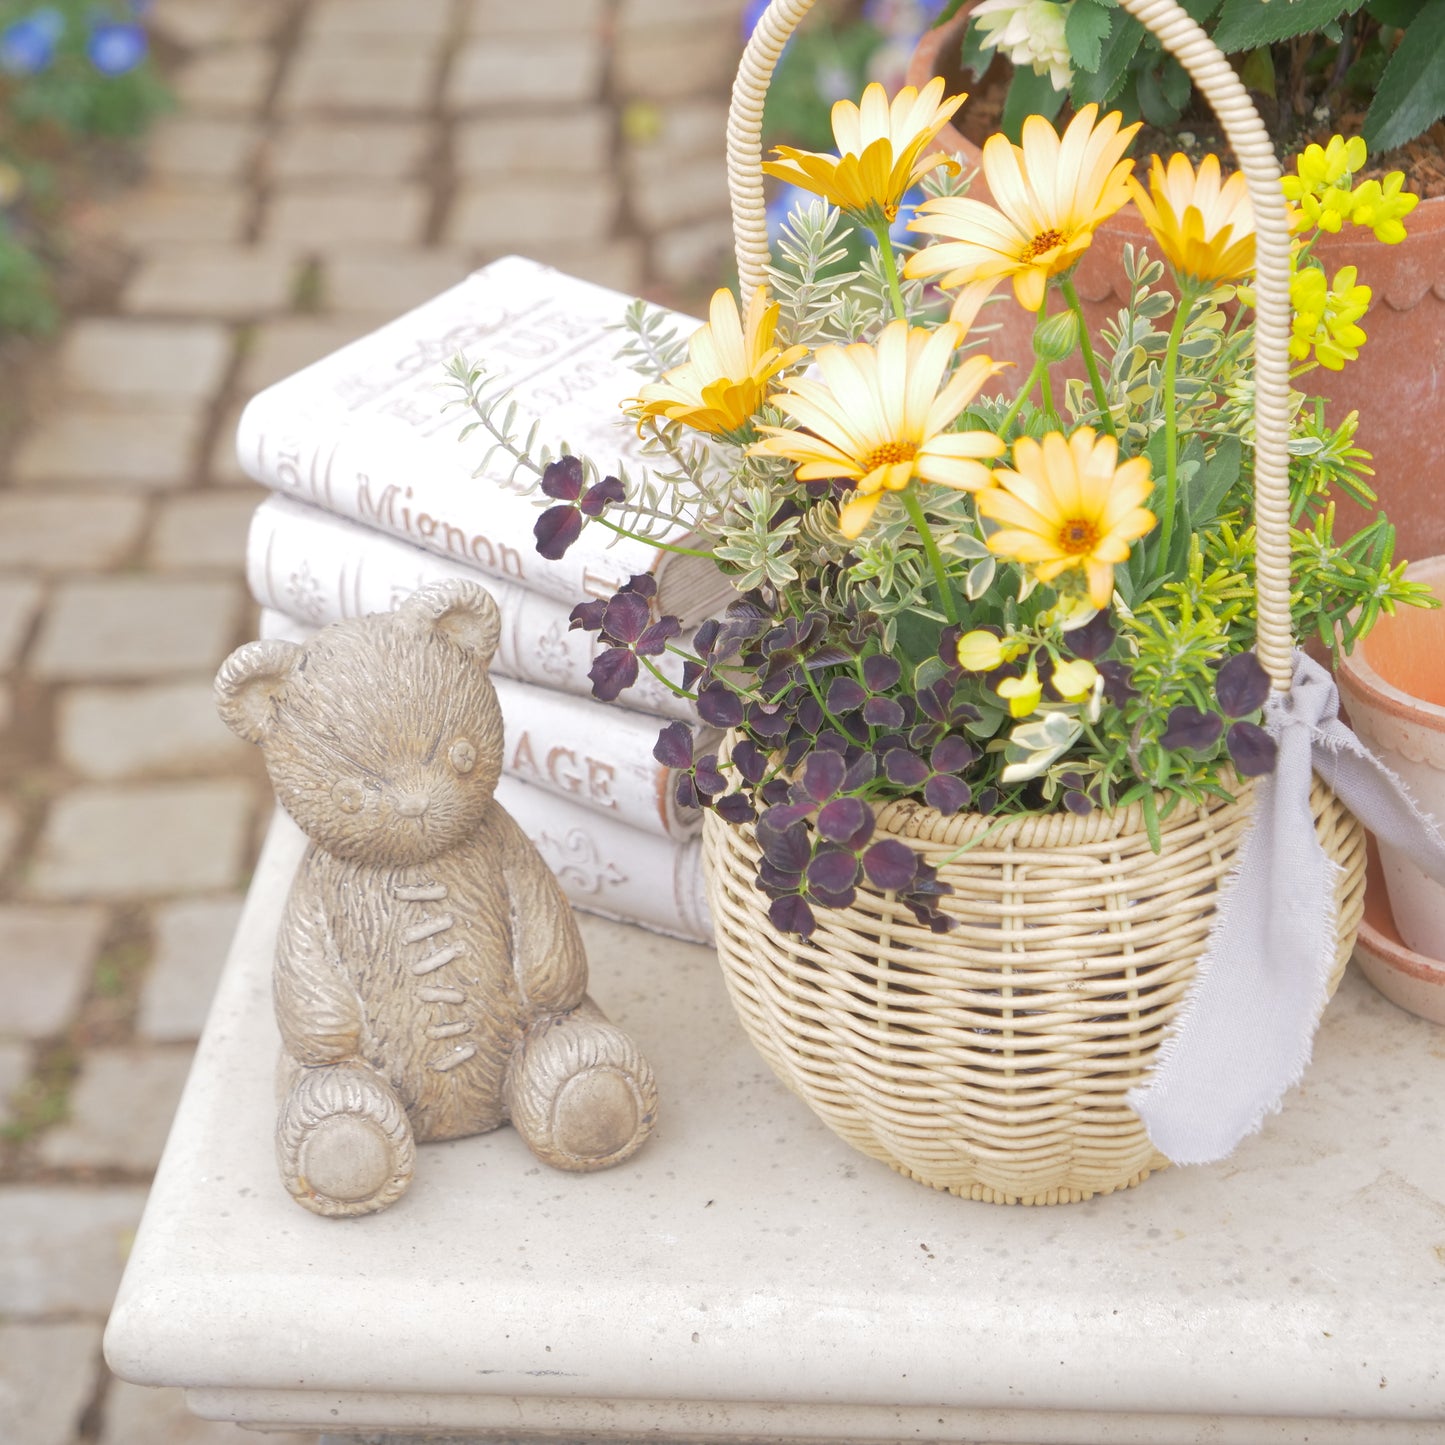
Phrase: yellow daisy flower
[1050,194]
[1068,503]
[723,383]
[879,415]
[880,151]
[1204,226]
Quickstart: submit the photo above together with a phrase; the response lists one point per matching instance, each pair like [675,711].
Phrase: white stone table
[747,1276]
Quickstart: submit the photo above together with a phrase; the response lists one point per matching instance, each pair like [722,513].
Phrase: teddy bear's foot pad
[580,1092]
[343,1142]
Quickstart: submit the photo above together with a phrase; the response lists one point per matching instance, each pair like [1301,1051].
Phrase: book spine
[365,433]
[608,868]
[318,568]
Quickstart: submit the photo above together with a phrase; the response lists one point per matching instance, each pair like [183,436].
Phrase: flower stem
[651,541]
[1171,425]
[914,507]
[1101,399]
[890,270]
[666,681]
[1019,400]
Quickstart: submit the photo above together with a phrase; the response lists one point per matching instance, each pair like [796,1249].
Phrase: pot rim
[1361,681]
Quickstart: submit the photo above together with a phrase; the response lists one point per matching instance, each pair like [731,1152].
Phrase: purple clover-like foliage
[560,526]
[1252,750]
[587,615]
[1242,685]
[1188,727]
[1118,682]
[789,914]
[719,706]
[673,748]
[891,865]
[1093,639]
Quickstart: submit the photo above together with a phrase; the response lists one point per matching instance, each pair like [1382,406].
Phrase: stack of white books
[374,495]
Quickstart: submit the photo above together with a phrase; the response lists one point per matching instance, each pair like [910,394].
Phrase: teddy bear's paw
[343,1142]
[580,1093]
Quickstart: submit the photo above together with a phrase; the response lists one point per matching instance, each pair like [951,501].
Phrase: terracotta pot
[1397,385]
[1409,979]
[1394,687]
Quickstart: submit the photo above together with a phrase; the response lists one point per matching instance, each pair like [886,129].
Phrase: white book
[595,753]
[608,868]
[365,432]
[318,568]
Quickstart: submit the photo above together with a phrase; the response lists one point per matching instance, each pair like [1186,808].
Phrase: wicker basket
[993,1061]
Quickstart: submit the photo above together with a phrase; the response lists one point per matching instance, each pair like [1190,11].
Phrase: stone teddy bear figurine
[430,981]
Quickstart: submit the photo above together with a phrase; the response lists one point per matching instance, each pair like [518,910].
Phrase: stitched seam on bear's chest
[429,931]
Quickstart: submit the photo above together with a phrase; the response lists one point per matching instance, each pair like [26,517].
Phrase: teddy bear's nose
[410,805]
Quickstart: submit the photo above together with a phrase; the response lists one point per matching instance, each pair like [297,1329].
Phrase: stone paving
[330,163]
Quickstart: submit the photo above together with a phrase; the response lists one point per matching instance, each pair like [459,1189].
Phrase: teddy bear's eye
[462,755]
[347,794]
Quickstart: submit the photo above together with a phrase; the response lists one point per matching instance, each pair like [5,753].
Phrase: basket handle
[1219,85]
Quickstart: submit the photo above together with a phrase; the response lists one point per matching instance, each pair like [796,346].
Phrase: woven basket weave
[993,1061]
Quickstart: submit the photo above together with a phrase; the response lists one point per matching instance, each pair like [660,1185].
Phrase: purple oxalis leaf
[563,479]
[891,865]
[612,672]
[673,748]
[556,530]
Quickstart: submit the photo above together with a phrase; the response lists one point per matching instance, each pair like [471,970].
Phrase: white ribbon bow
[1246,1026]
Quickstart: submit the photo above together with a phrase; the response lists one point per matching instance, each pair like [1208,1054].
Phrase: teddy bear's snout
[410,805]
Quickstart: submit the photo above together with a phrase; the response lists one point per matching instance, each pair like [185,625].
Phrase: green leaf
[1257,72]
[1398,13]
[1209,486]
[1085,31]
[1248,24]
[1029,94]
[1102,84]
[1412,89]
[1200,10]
[1159,110]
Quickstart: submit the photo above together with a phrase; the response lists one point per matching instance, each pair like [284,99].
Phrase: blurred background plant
[845,45]
[1312,65]
[76,80]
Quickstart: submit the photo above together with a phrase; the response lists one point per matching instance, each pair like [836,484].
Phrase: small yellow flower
[980,651]
[880,151]
[1204,226]
[1050,194]
[1382,205]
[1023,694]
[1325,316]
[1069,504]
[1074,680]
[1324,168]
[725,379]
[880,414]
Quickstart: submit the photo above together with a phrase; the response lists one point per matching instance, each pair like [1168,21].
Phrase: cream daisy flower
[1204,226]
[1050,194]
[880,151]
[1067,503]
[724,381]
[879,416]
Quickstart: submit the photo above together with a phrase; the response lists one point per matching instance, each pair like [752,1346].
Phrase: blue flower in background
[752,14]
[28,46]
[116,47]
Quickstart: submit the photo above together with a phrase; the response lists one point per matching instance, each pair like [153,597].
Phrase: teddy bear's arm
[316,1005]
[548,959]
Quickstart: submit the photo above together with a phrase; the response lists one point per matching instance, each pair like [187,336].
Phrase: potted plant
[1313,68]
[998,679]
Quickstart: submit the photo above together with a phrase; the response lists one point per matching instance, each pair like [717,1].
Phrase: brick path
[331,163]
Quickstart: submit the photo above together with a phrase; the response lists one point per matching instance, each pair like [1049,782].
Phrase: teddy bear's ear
[461,611]
[249,680]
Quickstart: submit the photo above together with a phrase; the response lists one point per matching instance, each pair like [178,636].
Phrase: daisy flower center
[1045,241]
[1077,535]
[888,455]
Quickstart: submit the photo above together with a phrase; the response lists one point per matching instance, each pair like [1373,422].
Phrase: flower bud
[1057,338]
